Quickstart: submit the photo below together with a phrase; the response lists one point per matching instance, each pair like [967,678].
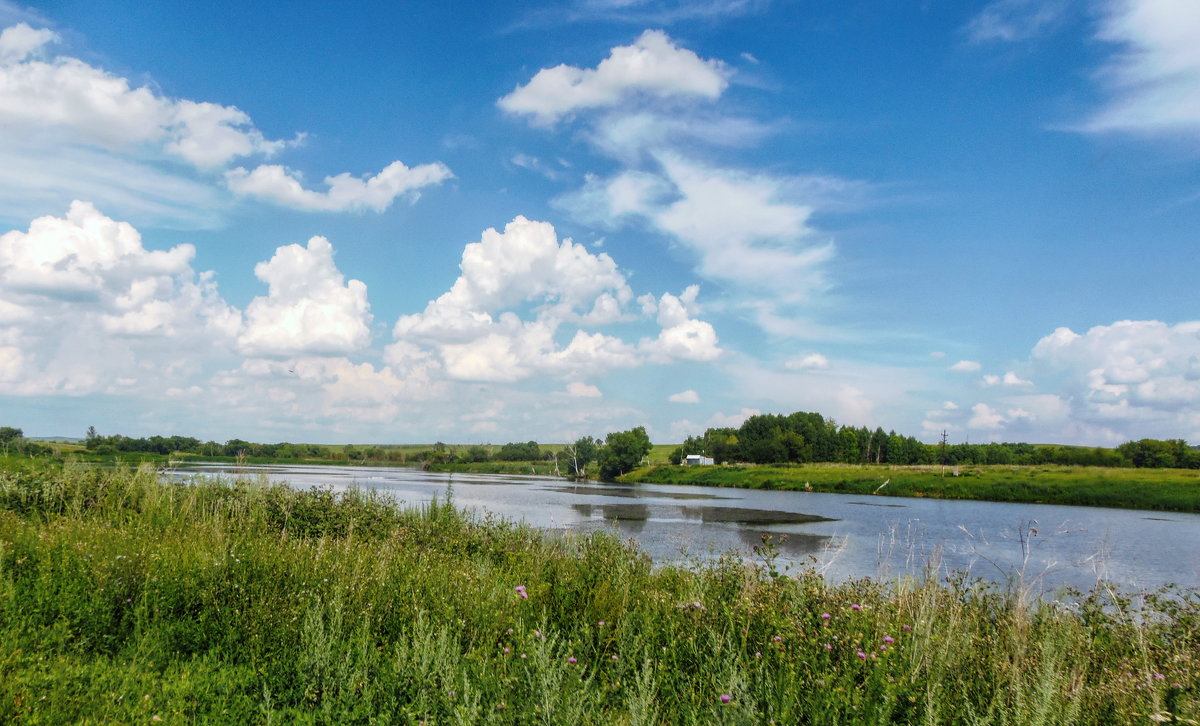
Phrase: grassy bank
[1175,490]
[124,599]
[536,468]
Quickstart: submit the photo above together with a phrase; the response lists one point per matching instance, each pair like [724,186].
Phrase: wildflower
[825,616]
[506,651]
[777,639]
[889,639]
[906,628]
[1176,685]
[856,607]
[520,590]
[614,657]
[862,655]
[883,647]
[757,654]
[509,631]
[1159,676]
[601,623]
[572,660]
[726,698]
[828,646]
[522,655]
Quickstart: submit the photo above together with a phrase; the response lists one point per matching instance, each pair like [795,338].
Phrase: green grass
[1158,489]
[124,599]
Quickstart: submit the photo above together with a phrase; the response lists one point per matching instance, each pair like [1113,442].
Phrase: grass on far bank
[1158,489]
[127,599]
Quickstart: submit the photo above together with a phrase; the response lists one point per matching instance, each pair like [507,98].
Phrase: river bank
[124,598]
[1176,490]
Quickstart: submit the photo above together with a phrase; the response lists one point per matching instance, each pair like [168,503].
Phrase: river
[842,535]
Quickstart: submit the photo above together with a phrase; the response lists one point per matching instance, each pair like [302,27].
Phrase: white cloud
[281,185]
[950,406]
[1015,20]
[1135,378]
[810,362]
[688,396]
[577,389]
[731,420]
[65,98]
[309,309]
[85,308]
[682,337]
[983,417]
[1154,80]
[1010,378]
[653,66]
[966,366]
[478,332]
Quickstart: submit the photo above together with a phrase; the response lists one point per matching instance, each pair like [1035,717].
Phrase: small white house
[697,460]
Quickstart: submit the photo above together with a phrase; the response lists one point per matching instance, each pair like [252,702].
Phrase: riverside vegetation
[125,598]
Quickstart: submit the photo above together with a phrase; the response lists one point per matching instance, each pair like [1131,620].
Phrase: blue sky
[407,222]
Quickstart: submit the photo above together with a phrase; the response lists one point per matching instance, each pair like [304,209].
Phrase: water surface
[843,535]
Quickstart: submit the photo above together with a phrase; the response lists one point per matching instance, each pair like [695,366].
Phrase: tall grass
[125,599]
[1175,490]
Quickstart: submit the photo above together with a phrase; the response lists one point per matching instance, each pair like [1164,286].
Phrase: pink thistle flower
[825,616]
[572,660]
[856,607]
[828,646]
[777,639]
[889,639]
[862,655]
[906,628]
[726,698]
[757,654]
[520,590]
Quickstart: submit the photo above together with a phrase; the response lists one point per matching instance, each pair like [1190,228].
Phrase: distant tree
[580,454]
[622,452]
[9,435]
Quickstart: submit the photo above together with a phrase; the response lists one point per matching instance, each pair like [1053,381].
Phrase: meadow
[128,599]
[1176,490]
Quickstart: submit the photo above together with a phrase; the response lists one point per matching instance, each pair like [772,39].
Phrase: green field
[124,599]
[1175,490]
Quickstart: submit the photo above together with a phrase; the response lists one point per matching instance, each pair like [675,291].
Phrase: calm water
[852,535]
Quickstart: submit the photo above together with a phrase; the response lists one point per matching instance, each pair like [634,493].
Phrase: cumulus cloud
[1132,377]
[577,389]
[281,185]
[983,417]
[810,362]
[688,396]
[478,332]
[85,307]
[966,366]
[89,105]
[309,308]
[1010,378]
[652,66]
[1154,78]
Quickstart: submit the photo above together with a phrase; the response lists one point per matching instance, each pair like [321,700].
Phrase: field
[1175,490]
[125,599]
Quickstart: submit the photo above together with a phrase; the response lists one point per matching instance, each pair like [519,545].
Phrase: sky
[487,222]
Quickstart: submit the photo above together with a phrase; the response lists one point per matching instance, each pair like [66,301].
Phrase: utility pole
[943,447]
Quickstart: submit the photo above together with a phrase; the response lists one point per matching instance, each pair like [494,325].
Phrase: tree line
[804,437]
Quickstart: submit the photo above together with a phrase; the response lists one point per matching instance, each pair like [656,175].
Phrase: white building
[697,460]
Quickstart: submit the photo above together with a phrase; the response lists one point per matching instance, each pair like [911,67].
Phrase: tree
[8,435]
[580,454]
[622,452]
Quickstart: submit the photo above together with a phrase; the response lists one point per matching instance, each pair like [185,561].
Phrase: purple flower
[757,654]
[862,655]
[726,698]
[825,616]
[601,623]
[506,651]
[889,639]
[614,657]
[883,647]
[1160,676]
[777,639]
[828,646]
[856,607]
[906,628]
[520,590]
[572,660]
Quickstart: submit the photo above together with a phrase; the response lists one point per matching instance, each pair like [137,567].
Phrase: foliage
[127,600]
[1167,490]
[622,452]
[579,454]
